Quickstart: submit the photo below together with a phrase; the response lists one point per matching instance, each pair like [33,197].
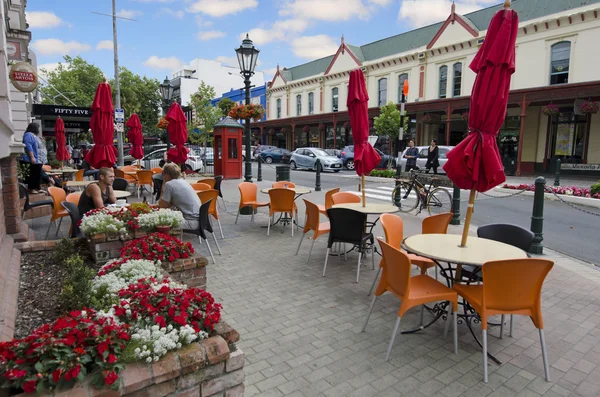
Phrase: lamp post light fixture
[247,56]
[166,91]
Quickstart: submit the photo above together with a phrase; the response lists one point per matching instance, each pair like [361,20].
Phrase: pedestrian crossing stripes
[383,193]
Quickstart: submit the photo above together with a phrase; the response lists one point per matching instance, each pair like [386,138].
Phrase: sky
[167,34]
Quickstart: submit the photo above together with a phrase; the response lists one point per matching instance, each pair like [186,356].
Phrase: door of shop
[566,141]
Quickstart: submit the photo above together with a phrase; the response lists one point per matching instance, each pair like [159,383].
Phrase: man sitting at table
[179,193]
[98,194]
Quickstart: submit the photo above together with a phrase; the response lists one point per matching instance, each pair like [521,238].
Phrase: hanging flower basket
[550,110]
[321,127]
[162,124]
[283,131]
[465,116]
[243,112]
[306,129]
[347,125]
[428,119]
[589,107]
[272,131]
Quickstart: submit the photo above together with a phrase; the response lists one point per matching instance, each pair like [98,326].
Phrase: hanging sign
[119,116]
[23,76]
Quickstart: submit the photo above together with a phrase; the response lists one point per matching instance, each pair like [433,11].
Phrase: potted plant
[589,107]
[100,225]
[428,119]
[161,220]
[157,247]
[242,112]
[550,110]
[465,116]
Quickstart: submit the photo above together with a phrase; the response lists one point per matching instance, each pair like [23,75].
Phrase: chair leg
[436,272]
[237,216]
[373,257]
[326,257]
[217,244]
[447,326]
[455,331]
[48,230]
[300,243]
[374,282]
[224,205]
[220,228]
[310,251]
[358,267]
[389,350]
[510,331]
[269,226]
[484,349]
[252,218]
[422,315]
[58,227]
[210,251]
[544,355]
[502,326]
[369,313]
[292,225]
[345,253]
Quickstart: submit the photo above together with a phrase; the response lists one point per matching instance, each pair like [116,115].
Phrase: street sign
[120,127]
[119,115]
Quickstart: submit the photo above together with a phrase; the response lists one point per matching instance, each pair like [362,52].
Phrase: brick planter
[190,271]
[211,368]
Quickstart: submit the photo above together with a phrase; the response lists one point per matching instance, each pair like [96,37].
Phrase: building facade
[556,64]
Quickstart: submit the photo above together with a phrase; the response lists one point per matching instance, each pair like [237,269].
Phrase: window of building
[279,108]
[311,103]
[382,91]
[334,99]
[443,81]
[298,105]
[559,67]
[401,79]
[457,79]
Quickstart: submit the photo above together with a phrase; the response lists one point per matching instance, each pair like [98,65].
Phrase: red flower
[29,386]
[56,375]
[103,346]
[110,377]
[72,373]
[112,359]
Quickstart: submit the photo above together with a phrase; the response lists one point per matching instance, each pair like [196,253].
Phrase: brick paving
[301,336]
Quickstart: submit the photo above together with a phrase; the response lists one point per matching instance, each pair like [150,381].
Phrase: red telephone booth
[228,148]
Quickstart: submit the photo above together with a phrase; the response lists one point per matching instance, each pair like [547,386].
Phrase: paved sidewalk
[565,180]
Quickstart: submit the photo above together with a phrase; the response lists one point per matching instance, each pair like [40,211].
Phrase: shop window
[233,148]
[401,79]
[443,81]
[298,105]
[560,59]
[334,99]
[382,92]
[279,108]
[457,79]
[311,103]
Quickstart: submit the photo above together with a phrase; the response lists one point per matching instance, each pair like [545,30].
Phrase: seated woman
[98,194]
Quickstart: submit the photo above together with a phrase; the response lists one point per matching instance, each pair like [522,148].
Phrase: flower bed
[566,190]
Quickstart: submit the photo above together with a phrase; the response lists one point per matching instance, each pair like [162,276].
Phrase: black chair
[218,180]
[75,218]
[348,226]
[120,184]
[204,226]
[157,185]
[24,194]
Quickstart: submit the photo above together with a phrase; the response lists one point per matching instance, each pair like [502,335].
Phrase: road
[567,230]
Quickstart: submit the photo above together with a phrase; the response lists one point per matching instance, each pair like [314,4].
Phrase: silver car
[152,160]
[307,158]
[422,160]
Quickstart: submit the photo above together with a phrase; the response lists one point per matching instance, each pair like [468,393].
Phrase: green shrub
[595,189]
[384,173]
[64,250]
[77,286]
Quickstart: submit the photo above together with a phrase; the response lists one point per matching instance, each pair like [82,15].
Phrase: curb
[589,202]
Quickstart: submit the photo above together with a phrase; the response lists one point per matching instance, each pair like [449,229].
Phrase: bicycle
[408,195]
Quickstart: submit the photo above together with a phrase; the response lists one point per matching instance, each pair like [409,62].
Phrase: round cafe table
[120,194]
[299,191]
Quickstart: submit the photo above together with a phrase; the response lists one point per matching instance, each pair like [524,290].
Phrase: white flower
[162,217]
[127,273]
[101,222]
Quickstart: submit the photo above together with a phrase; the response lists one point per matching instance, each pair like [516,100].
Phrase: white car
[153,159]
[422,160]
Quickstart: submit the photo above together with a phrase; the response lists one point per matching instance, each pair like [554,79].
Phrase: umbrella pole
[362,189]
[463,242]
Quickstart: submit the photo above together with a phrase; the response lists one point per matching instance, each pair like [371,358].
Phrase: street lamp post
[247,55]
[166,90]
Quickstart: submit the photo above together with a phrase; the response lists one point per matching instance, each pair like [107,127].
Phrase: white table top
[369,208]
[297,190]
[446,248]
[78,183]
[62,171]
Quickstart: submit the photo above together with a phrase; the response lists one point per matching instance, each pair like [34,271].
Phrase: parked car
[128,158]
[276,156]
[347,156]
[208,157]
[252,150]
[307,157]
[261,148]
[422,160]
[334,152]
[154,159]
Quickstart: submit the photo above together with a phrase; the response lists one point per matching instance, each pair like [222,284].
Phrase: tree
[225,105]
[388,123]
[205,115]
[205,131]
[76,79]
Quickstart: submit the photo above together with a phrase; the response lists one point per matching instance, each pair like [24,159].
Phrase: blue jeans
[93,173]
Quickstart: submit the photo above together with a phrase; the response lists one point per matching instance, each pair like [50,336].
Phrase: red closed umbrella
[475,163]
[135,136]
[62,154]
[365,157]
[104,153]
[178,135]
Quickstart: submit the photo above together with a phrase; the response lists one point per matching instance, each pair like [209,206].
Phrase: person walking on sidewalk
[30,159]
[411,156]
[433,157]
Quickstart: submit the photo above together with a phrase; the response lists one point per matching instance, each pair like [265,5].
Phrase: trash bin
[282,173]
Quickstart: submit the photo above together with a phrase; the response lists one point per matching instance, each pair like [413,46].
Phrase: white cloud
[42,19]
[210,35]
[105,45]
[420,13]
[58,47]
[327,10]
[230,61]
[220,8]
[128,13]
[314,47]
[203,23]
[279,31]
[46,68]
[269,73]
[179,14]
[169,63]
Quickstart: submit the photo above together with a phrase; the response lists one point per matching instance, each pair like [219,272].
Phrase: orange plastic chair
[200,187]
[208,181]
[58,195]
[312,222]
[344,197]
[79,175]
[207,195]
[282,201]
[74,197]
[130,178]
[157,170]
[144,178]
[281,184]
[46,167]
[436,224]
[328,201]
[120,174]
[412,291]
[248,192]
[510,287]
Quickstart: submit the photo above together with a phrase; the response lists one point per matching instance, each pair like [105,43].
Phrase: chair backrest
[248,192]
[58,196]
[507,233]
[393,227]
[209,181]
[156,170]
[129,168]
[200,187]
[210,195]
[144,177]
[73,212]
[396,269]
[436,224]
[79,175]
[204,220]
[119,174]
[73,198]
[218,181]
[120,184]
[281,184]
[312,216]
[328,197]
[515,284]
[158,187]
[46,167]
[282,200]
[24,194]
[344,197]
[346,225]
